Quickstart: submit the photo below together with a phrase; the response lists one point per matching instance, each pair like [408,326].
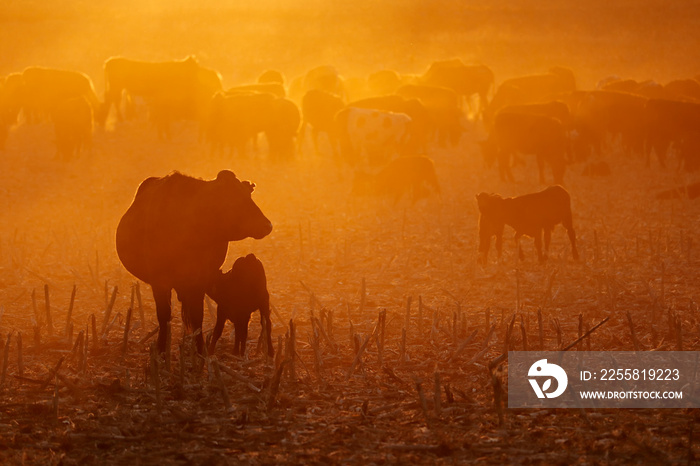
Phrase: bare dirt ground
[334,264]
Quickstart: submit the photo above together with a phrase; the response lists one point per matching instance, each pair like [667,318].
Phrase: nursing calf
[529,214]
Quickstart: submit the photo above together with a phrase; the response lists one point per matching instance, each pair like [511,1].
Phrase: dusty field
[639,255]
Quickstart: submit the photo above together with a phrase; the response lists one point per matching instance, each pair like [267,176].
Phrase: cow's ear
[249,186]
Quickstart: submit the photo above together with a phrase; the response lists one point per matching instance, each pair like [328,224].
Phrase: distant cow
[530,214]
[420,116]
[73,125]
[175,235]
[146,79]
[324,78]
[372,135]
[673,122]
[38,90]
[443,107]
[465,80]
[609,115]
[527,133]
[318,109]
[173,90]
[238,293]
[406,175]
[236,119]
[530,89]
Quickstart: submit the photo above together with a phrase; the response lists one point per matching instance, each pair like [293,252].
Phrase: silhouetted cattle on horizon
[406,175]
[175,235]
[527,133]
[529,214]
[238,293]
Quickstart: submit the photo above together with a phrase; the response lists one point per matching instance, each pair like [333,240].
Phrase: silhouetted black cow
[530,215]
[175,235]
[401,176]
[673,122]
[527,133]
[238,293]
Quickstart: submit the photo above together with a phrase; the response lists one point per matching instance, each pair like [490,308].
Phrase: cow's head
[245,281]
[231,209]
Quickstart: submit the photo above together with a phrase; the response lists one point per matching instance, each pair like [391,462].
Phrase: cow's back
[544,209]
[155,236]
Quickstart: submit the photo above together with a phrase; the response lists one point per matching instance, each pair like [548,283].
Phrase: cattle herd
[385,126]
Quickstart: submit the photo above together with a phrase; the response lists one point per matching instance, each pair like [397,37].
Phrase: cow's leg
[538,246]
[499,243]
[547,240]
[572,238]
[193,312]
[521,256]
[241,330]
[161,295]
[218,330]
[540,167]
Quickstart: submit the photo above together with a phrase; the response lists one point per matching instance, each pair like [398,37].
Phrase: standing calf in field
[529,215]
[238,293]
[400,176]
